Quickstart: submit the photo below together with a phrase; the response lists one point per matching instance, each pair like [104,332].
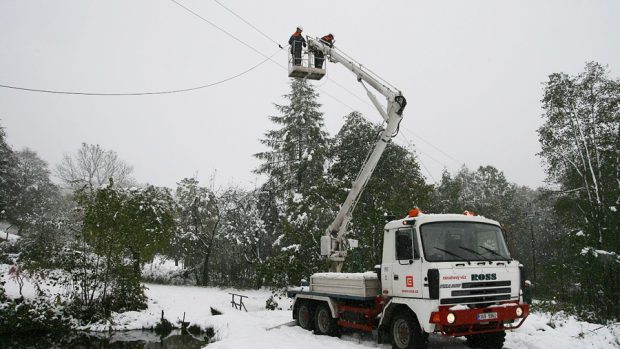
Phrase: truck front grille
[482,299]
[480,292]
[484,291]
[480,284]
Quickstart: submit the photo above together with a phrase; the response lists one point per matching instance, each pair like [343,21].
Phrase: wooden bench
[240,304]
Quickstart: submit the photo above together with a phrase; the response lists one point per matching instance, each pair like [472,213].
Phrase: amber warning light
[414,212]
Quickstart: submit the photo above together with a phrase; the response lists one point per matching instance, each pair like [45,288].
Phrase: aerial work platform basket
[306,68]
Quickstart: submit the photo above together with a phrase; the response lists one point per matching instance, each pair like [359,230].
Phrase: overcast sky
[472,72]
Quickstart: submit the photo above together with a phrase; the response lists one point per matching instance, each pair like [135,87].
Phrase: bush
[271,304]
[163,328]
[38,315]
[195,330]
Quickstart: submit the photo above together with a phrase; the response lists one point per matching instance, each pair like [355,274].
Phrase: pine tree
[8,165]
[295,169]
[36,197]
[298,148]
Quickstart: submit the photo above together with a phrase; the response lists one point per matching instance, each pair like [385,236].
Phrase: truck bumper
[462,322]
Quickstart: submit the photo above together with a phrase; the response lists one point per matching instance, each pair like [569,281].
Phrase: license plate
[487,316]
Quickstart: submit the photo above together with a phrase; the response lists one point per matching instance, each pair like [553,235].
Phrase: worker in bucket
[297,41]
[319,57]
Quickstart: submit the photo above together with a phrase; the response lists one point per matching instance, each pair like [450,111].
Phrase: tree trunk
[136,263]
[205,270]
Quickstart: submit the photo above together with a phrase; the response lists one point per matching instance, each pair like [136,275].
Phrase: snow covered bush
[271,304]
[38,315]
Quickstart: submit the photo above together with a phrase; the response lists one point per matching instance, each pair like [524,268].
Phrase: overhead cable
[138,93]
[437,148]
[410,144]
[248,23]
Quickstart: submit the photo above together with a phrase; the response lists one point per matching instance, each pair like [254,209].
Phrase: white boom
[334,244]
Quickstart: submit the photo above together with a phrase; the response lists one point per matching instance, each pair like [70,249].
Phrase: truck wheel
[304,316]
[406,332]
[493,340]
[324,323]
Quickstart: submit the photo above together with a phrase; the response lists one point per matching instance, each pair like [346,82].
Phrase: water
[117,340]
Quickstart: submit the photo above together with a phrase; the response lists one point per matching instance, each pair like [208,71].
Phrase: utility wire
[248,23]
[220,29]
[139,93]
[410,144]
[437,148]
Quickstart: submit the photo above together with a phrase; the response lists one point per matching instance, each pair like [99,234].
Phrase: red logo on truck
[409,280]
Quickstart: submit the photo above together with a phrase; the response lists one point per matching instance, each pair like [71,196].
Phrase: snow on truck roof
[436,217]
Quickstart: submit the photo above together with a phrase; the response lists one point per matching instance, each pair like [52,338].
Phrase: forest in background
[93,229]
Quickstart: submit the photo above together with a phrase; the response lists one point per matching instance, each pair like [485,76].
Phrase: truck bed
[358,286]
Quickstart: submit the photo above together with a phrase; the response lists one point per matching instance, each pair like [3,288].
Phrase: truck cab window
[404,244]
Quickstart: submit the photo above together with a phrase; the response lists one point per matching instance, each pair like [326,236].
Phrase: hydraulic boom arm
[334,244]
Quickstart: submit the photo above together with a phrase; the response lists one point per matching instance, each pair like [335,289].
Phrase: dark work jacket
[296,41]
[327,41]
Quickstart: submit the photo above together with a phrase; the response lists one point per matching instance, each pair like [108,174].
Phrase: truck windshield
[459,241]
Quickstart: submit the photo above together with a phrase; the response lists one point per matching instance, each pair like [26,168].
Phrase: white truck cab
[437,262]
[441,273]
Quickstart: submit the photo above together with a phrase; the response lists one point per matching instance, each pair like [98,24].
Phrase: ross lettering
[483,277]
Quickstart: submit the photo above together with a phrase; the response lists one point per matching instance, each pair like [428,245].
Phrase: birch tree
[580,141]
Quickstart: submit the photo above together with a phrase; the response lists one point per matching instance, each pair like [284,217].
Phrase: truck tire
[304,316]
[324,323]
[493,340]
[406,332]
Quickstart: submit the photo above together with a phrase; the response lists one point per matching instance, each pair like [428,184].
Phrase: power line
[410,143]
[437,148]
[248,23]
[139,93]
[219,28]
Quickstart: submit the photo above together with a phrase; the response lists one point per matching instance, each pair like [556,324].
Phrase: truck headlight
[519,311]
[450,318]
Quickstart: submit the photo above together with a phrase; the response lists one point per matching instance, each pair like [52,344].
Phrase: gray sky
[472,72]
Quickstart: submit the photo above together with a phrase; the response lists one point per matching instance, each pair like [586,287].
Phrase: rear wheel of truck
[304,316]
[406,332]
[324,323]
[493,340]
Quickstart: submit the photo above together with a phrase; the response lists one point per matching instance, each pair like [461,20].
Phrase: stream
[135,339]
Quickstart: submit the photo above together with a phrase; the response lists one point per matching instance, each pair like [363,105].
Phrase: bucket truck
[445,273]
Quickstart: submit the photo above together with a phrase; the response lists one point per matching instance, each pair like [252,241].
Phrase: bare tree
[93,166]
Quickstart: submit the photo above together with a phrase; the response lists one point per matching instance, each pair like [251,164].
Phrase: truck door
[407,279]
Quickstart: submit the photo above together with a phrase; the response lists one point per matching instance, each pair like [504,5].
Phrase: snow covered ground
[264,329]
[6,236]
[260,328]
